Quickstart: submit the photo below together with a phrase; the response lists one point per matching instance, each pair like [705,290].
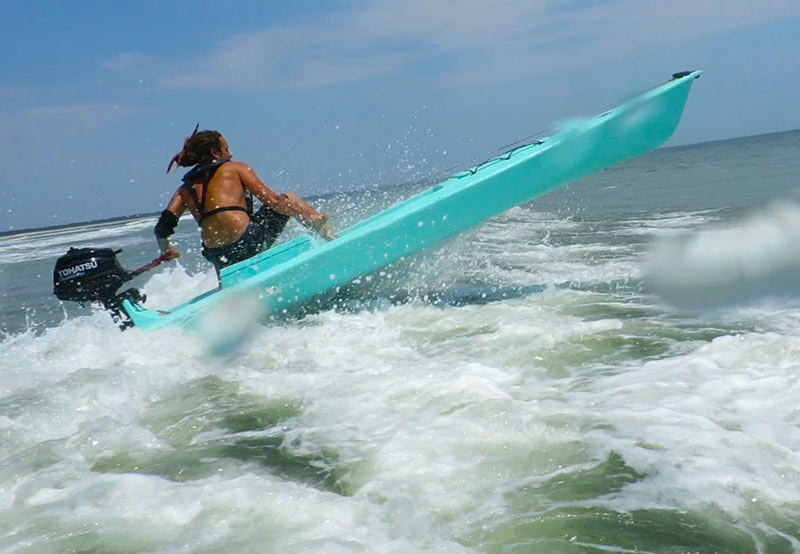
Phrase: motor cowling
[88,274]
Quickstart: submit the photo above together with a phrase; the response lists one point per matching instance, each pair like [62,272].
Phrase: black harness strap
[203,174]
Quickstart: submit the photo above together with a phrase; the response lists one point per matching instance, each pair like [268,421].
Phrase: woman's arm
[165,226]
[288,204]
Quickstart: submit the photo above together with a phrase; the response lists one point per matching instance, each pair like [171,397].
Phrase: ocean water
[614,367]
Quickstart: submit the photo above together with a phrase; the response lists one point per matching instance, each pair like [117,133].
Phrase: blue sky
[325,96]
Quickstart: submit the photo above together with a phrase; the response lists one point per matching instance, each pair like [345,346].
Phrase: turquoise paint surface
[306,266]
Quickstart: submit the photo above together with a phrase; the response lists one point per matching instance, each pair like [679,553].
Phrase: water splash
[748,260]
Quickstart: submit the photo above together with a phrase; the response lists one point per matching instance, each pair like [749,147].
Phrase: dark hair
[197,148]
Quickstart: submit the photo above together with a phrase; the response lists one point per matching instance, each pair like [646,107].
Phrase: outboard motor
[95,275]
[88,274]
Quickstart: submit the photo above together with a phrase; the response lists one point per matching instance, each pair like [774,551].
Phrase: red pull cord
[158,261]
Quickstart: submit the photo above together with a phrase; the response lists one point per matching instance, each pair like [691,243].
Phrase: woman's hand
[321,224]
[326,231]
[171,253]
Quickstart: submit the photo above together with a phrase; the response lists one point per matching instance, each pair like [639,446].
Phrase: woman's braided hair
[196,148]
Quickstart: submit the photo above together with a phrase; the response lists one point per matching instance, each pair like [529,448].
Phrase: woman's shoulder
[235,165]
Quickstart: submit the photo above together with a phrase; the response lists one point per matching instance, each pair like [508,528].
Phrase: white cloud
[470,40]
[294,57]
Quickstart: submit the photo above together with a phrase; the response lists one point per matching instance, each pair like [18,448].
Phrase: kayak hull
[306,266]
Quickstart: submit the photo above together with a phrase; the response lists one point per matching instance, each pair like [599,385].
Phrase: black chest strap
[203,173]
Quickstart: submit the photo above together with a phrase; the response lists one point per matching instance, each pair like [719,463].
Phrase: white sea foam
[428,409]
[418,426]
[39,245]
[720,422]
[669,224]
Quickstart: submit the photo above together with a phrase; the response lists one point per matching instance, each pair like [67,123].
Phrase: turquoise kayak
[307,266]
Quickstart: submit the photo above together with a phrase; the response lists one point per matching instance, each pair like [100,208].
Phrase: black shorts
[265,227]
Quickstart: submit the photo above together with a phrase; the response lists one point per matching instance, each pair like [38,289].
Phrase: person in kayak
[219,193]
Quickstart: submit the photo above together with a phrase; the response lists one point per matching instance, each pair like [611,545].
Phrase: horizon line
[12,231]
